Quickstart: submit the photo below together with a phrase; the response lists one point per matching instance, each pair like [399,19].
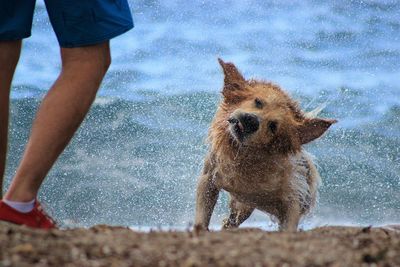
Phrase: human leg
[9,56]
[85,57]
[59,116]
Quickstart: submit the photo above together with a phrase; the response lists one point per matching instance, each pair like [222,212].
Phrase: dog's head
[260,114]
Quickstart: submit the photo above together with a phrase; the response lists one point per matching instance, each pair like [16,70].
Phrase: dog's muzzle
[244,124]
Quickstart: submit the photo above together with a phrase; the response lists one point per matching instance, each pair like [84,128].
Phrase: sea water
[136,158]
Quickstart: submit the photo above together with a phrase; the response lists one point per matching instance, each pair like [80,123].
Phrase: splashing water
[136,158]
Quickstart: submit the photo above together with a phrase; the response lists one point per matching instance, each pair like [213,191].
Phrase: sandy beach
[118,246]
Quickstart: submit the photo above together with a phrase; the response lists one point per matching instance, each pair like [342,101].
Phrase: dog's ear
[234,82]
[311,129]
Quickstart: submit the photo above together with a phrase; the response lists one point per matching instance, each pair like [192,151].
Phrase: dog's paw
[228,224]
[225,224]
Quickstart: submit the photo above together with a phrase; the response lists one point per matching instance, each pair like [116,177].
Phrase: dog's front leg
[207,195]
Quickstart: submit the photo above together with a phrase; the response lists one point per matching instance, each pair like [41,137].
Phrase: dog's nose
[233,120]
[250,122]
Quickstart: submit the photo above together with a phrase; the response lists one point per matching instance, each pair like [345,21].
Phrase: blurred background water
[136,158]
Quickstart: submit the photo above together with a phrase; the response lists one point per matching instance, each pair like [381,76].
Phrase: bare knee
[91,60]
[9,54]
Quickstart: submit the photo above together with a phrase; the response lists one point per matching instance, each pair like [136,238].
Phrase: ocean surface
[136,158]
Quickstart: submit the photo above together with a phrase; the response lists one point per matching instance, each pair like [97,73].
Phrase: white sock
[23,207]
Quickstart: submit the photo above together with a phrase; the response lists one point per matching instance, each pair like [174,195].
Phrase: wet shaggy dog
[256,154]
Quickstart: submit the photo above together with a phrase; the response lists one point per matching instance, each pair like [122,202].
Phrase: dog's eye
[273,126]
[259,104]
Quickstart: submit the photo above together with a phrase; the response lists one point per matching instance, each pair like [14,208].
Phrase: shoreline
[118,246]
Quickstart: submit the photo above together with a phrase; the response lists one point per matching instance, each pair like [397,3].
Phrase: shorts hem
[98,40]
[15,37]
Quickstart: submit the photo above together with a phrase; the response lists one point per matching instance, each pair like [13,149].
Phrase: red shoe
[36,218]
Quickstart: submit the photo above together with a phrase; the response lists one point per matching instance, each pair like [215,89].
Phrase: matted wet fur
[256,154]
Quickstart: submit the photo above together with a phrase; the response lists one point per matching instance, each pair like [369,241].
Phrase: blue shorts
[75,22]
